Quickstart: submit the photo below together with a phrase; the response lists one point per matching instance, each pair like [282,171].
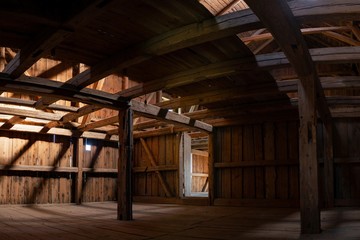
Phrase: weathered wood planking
[275,143]
[199,172]
[52,179]
[165,150]
[23,149]
[99,186]
[346,167]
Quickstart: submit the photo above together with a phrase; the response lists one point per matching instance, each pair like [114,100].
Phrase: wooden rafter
[339,82]
[44,87]
[30,103]
[235,66]
[47,40]
[342,38]
[208,30]
[304,31]
[100,123]
[30,113]
[356,30]
[97,85]
[151,111]
[228,7]
[11,122]
[219,95]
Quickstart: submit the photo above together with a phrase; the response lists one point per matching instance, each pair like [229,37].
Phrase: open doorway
[195,166]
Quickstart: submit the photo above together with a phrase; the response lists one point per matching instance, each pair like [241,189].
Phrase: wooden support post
[158,96]
[125,165]
[328,165]
[79,153]
[309,185]
[211,160]
[125,83]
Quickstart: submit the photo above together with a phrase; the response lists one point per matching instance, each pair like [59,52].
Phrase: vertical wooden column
[187,164]
[2,59]
[309,185]
[158,96]
[79,153]
[125,165]
[180,141]
[125,83]
[328,165]
[211,160]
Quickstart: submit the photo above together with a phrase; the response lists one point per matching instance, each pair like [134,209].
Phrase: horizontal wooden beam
[30,103]
[29,168]
[100,123]
[338,82]
[151,111]
[42,44]
[240,65]
[62,132]
[44,87]
[219,95]
[304,31]
[262,163]
[290,115]
[30,113]
[11,122]
[159,168]
[209,30]
[100,170]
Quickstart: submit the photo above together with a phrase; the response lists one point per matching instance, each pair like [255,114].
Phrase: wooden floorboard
[168,221]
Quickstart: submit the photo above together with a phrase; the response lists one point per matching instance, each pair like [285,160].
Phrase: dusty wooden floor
[98,221]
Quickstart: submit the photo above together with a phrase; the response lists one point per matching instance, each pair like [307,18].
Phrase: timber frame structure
[115,70]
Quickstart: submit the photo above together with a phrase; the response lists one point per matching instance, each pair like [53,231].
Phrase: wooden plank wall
[257,165]
[165,150]
[99,183]
[347,162]
[53,180]
[200,172]
[19,187]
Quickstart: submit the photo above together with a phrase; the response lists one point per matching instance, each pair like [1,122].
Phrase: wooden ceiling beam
[236,66]
[100,123]
[30,113]
[44,87]
[281,20]
[221,95]
[63,132]
[342,38]
[208,30]
[255,118]
[356,30]
[155,112]
[30,103]
[304,31]
[11,122]
[338,82]
[266,61]
[228,7]
[47,40]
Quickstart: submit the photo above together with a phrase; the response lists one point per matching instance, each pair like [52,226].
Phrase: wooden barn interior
[193,119]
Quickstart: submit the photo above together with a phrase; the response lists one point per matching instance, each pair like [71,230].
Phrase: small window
[87,147]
